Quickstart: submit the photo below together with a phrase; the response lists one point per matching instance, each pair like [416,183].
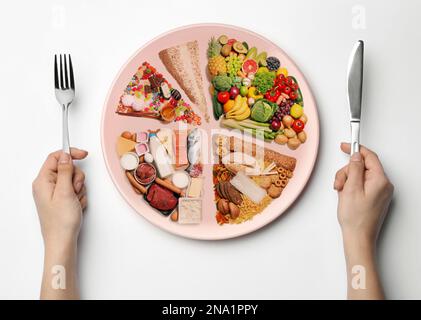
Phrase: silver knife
[355,89]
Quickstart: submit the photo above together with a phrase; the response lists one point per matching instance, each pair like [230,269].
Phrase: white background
[121,254]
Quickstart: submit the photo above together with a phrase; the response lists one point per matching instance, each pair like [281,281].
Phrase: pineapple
[216,63]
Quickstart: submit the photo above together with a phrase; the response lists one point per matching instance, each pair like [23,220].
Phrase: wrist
[360,246]
[60,245]
[356,236]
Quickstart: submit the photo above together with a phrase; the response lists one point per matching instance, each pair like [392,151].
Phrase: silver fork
[64,84]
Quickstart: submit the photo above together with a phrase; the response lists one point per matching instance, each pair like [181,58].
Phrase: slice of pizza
[149,94]
[182,62]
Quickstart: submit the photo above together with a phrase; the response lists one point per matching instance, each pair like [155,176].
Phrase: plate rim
[232,234]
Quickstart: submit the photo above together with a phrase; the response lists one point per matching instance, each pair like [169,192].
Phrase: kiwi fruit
[226,49]
[223,39]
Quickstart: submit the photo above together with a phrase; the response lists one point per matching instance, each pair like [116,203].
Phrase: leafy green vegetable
[263,110]
[222,82]
[264,81]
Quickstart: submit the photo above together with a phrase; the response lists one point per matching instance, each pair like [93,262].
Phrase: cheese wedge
[124,145]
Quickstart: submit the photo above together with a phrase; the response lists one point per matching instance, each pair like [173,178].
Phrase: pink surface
[113,125]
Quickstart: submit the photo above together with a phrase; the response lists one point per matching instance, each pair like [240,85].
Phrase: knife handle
[355,137]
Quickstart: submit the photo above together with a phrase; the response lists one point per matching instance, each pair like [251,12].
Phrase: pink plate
[113,125]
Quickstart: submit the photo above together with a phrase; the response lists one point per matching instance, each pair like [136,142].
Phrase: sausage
[168,185]
[134,183]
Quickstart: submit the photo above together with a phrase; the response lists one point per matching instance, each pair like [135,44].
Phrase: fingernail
[64,158]
[356,157]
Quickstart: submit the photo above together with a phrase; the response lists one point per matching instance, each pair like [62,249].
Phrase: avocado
[251,54]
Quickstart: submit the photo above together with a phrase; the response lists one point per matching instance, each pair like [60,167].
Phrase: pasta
[248,209]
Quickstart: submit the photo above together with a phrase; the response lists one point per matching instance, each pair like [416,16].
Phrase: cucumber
[216,106]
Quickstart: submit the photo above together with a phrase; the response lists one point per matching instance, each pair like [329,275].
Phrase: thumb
[65,174]
[356,170]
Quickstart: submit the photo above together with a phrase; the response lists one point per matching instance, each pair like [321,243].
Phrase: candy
[127,100]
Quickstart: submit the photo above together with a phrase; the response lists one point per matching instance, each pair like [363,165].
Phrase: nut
[274,191]
[234,210]
[223,206]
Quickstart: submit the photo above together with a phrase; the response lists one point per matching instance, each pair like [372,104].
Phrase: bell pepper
[252,93]
[273,94]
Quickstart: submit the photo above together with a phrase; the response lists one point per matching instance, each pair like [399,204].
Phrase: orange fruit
[228,105]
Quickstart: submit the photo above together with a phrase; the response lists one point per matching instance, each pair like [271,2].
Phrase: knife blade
[355,88]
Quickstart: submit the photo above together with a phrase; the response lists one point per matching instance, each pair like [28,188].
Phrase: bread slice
[182,62]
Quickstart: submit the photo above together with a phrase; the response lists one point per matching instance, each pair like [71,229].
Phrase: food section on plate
[251,91]
[254,93]
[247,177]
[165,167]
[150,95]
[182,62]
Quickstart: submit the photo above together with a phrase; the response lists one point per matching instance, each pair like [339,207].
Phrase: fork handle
[66,142]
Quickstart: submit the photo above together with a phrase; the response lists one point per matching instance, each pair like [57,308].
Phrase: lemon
[296,111]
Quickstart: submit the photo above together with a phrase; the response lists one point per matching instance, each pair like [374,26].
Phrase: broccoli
[222,82]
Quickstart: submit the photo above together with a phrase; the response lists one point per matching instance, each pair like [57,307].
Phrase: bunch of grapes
[283,110]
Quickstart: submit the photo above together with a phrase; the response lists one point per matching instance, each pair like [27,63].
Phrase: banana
[244,109]
[244,115]
[237,103]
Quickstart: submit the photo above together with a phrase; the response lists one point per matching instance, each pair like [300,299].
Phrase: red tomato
[298,126]
[290,81]
[293,95]
[280,77]
[294,86]
[287,90]
[223,96]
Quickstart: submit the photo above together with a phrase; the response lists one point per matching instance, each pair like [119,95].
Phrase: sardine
[194,146]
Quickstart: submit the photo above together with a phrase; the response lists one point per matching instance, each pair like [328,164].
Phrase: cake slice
[182,62]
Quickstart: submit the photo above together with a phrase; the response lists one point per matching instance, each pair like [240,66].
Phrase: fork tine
[61,74]
[66,77]
[72,79]
[56,85]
